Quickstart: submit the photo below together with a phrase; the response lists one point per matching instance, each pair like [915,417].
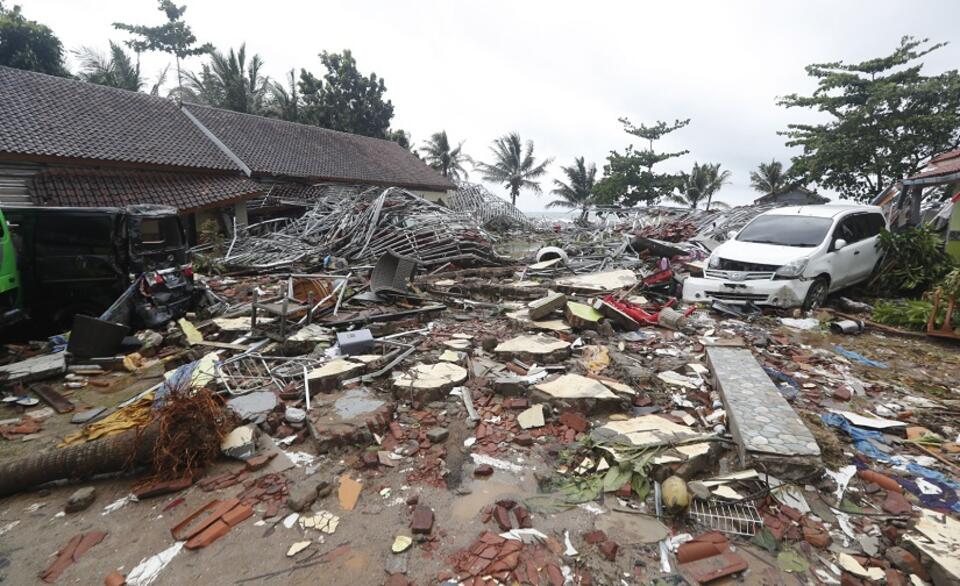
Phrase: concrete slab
[760,419]
[35,368]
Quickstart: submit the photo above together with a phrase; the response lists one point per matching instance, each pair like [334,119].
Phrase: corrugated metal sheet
[14,184]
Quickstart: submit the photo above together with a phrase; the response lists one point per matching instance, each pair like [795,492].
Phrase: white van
[792,256]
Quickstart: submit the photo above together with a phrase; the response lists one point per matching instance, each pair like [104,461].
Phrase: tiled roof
[109,188]
[277,148]
[59,118]
[942,164]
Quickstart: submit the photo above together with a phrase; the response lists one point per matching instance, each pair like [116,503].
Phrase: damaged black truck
[80,261]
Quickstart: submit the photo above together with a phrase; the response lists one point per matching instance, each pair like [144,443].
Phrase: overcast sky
[559,73]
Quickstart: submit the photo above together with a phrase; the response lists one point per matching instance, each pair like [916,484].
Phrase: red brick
[575,421]
[422,522]
[258,462]
[483,470]
[237,515]
[212,533]
[502,516]
[114,579]
[609,550]
[594,537]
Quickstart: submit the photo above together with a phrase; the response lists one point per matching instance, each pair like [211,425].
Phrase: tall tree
[629,178]
[885,120]
[514,165]
[173,36]
[577,191]
[700,184]
[285,101]
[229,81]
[116,69]
[770,178]
[404,139]
[449,162]
[27,44]
[345,99]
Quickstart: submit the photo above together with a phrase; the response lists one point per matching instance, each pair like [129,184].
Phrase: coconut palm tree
[229,81]
[285,101]
[577,192]
[700,184]
[770,178]
[116,69]
[449,162]
[514,165]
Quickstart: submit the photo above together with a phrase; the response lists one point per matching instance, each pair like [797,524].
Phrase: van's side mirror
[839,243]
[731,234]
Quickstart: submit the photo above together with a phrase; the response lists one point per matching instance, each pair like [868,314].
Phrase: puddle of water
[486,492]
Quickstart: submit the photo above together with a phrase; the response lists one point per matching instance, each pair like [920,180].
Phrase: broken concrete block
[537,348]
[581,316]
[544,306]
[241,443]
[252,405]
[574,386]
[301,496]
[327,378]
[509,386]
[81,499]
[437,434]
[598,282]
[429,382]
[531,418]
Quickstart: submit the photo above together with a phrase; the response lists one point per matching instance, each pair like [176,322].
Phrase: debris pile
[559,419]
[362,227]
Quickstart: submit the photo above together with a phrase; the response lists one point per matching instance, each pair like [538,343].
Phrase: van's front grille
[746,267]
[731,296]
[737,275]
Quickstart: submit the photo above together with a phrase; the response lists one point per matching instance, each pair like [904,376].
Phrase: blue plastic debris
[858,357]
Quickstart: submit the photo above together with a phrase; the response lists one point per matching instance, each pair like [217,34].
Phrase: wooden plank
[53,398]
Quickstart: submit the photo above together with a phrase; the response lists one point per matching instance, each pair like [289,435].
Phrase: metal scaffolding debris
[491,211]
[361,224]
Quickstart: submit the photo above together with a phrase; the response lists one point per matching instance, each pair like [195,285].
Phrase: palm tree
[577,192]
[228,81]
[770,178]
[514,165]
[114,70]
[449,162]
[285,103]
[700,184]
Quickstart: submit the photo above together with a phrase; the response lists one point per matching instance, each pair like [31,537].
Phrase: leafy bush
[913,260]
[911,314]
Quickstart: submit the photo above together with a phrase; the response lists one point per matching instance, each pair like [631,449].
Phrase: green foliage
[229,81]
[913,260]
[285,100]
[700,184]
[770,178]
[577,191]
[950,287]
[628,178]
[911,314]
[27,44]
[173,37]
[886,119]
[449,162]
[116,70]
[345,99]
[514,165]
[402,138]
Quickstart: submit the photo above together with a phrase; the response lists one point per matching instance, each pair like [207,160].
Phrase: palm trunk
[709,198]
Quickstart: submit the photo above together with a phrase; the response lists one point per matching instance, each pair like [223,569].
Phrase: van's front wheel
[816,294]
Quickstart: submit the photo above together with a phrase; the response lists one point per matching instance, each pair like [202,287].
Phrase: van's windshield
[160,233]
[800,231]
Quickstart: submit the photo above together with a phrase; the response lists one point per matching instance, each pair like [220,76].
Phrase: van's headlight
[792,269]
[713,262]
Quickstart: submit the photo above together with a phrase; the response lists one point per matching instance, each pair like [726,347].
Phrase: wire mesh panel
[738,518]
[248,372]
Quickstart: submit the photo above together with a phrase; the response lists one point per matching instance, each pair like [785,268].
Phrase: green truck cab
[11,295]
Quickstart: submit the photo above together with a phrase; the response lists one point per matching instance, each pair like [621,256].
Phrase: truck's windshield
[800,231]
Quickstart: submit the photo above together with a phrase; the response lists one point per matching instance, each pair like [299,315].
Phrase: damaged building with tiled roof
[71,143]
